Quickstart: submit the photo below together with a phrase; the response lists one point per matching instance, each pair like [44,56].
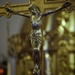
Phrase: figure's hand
[67,4]
[8,10]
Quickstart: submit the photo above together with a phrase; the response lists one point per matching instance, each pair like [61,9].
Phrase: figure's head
[34,9]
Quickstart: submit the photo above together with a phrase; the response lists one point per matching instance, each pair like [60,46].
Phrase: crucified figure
[36,34]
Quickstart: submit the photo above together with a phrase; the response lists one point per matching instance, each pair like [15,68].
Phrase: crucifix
[35,11]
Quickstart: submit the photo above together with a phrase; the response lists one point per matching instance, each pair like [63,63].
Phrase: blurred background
[58,50]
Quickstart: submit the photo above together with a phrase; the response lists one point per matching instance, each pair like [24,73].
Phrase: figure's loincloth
[36,38]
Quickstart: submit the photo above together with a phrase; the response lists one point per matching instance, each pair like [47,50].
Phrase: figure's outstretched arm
[65,5]
[12,11]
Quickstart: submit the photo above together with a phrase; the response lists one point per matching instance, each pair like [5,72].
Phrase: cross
[23,8]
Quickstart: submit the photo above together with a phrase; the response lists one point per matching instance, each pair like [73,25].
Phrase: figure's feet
[8,10]
[36,70]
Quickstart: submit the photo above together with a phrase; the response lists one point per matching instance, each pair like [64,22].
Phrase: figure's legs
[36,40]
[36,59]
[36,56]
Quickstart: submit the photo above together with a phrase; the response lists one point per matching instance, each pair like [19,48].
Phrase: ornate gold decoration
[17,45]
[62,42]
[63,58]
